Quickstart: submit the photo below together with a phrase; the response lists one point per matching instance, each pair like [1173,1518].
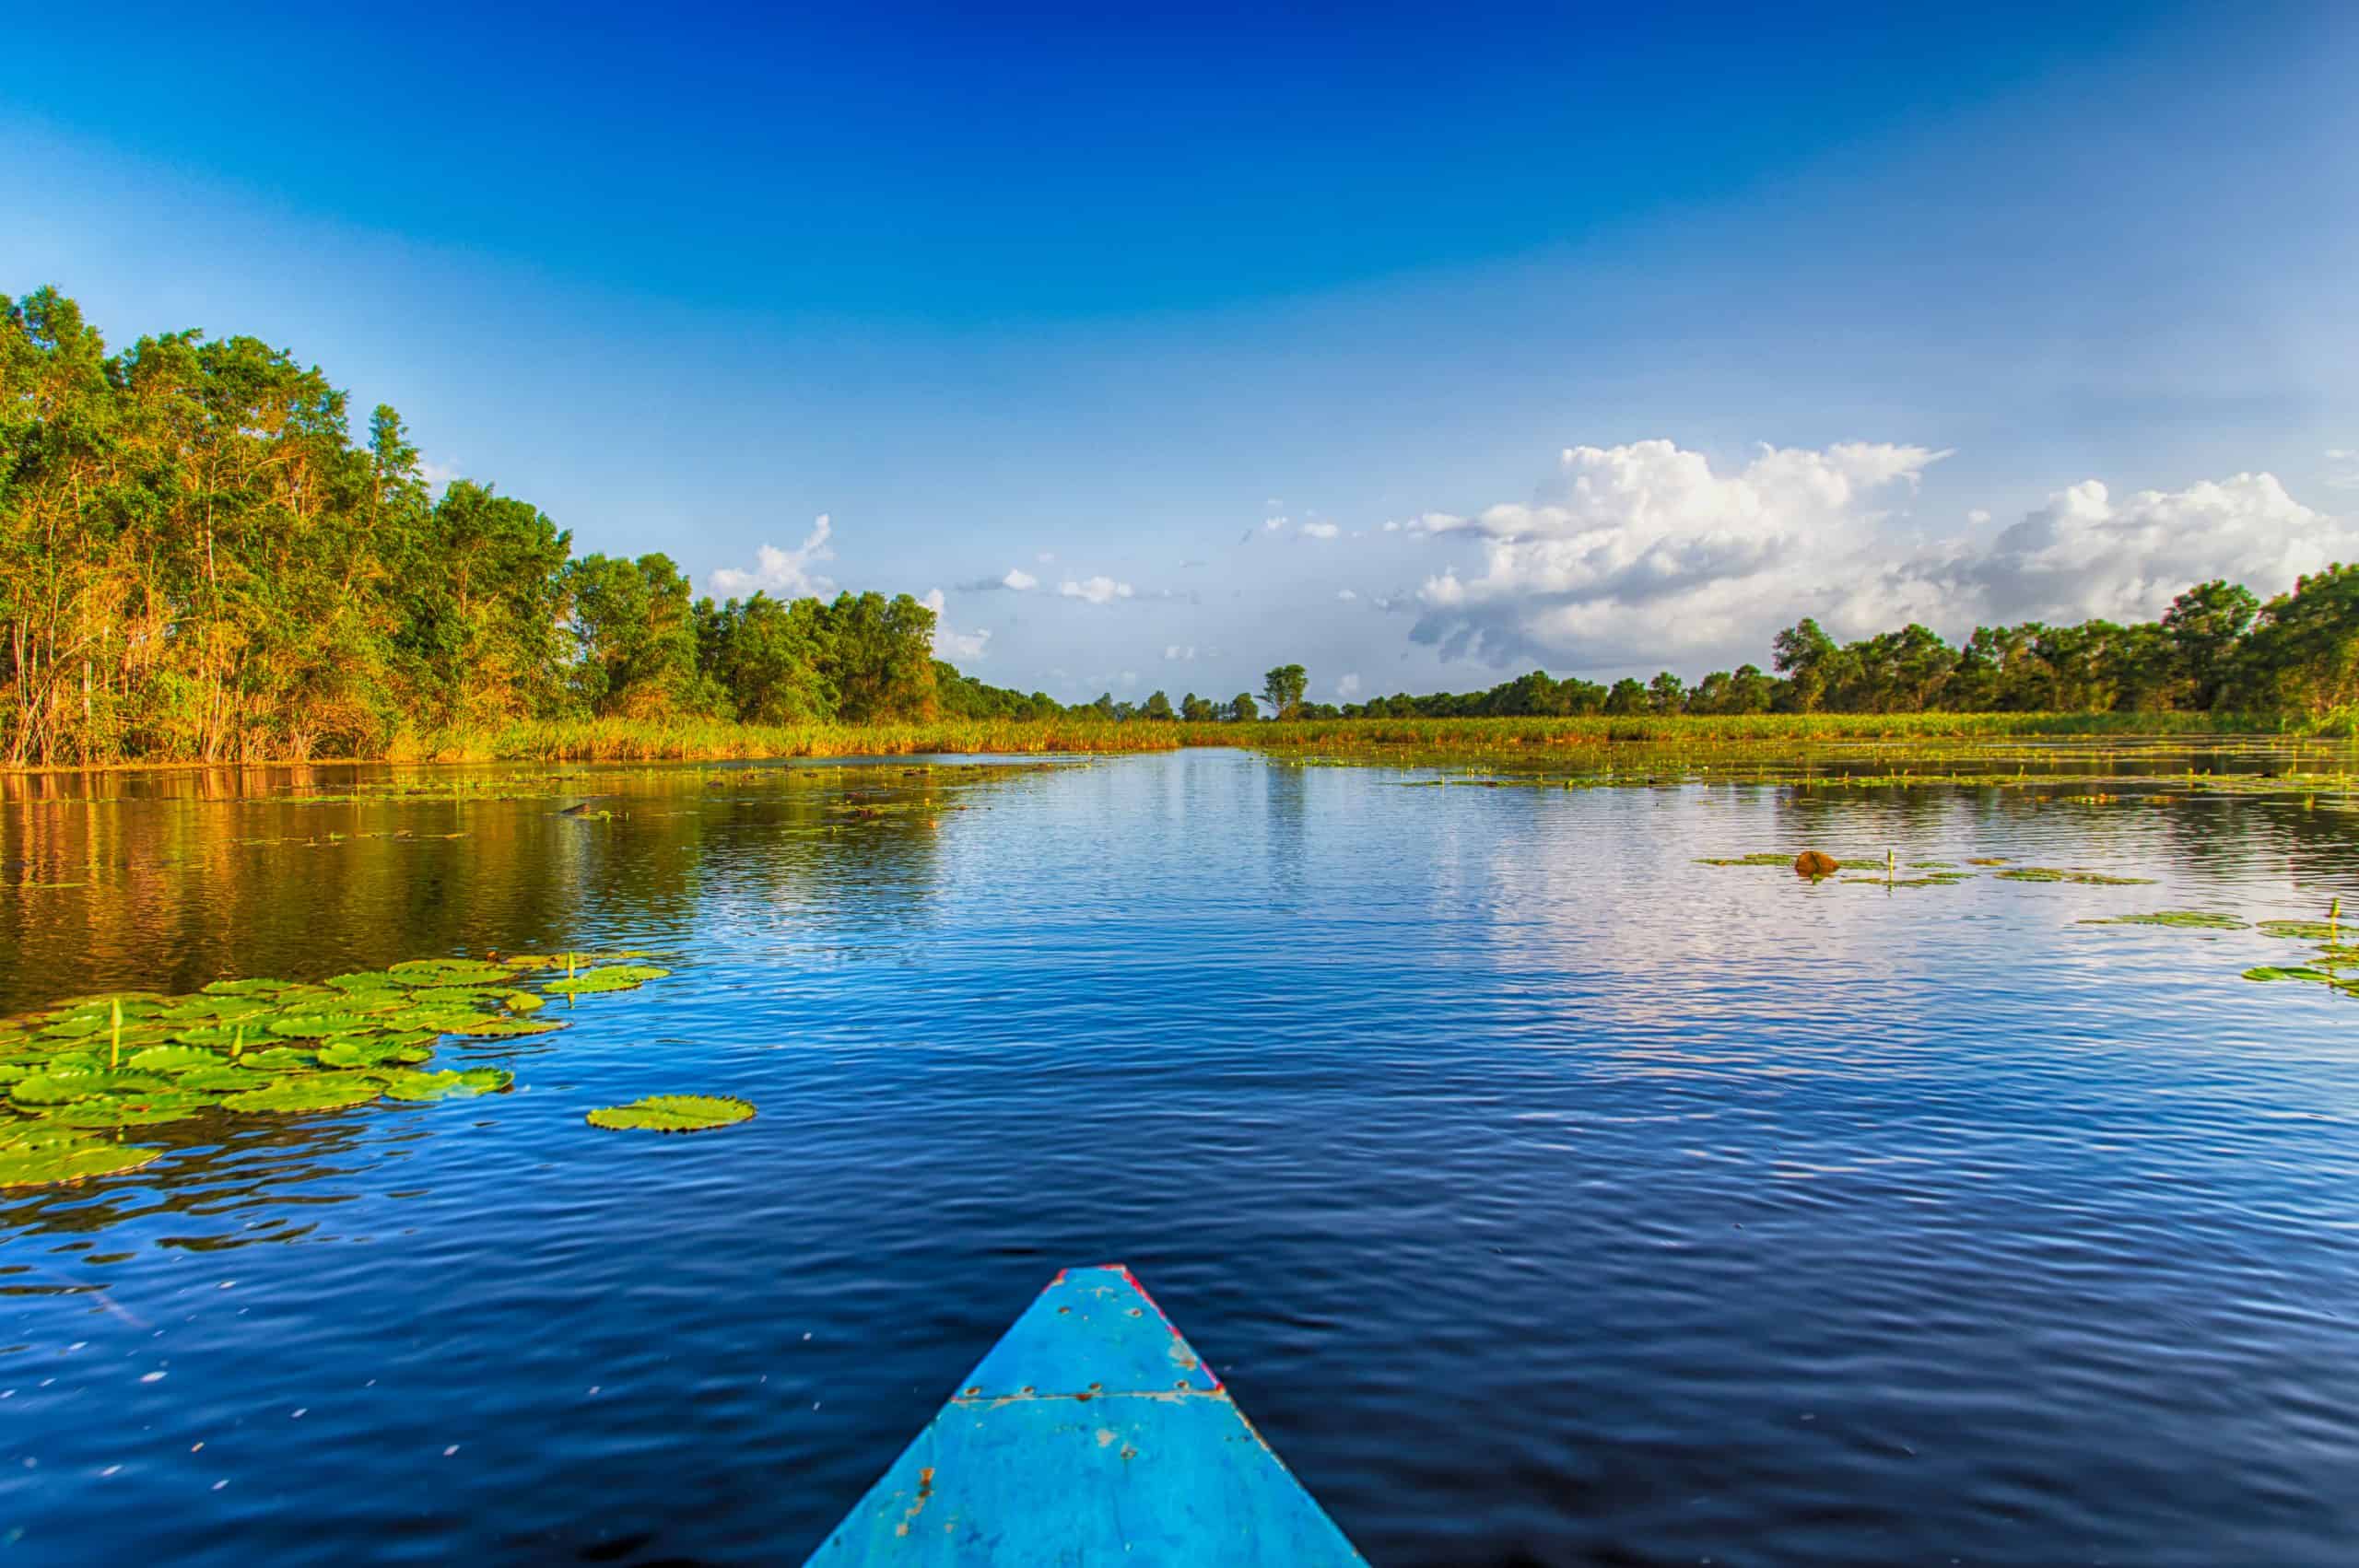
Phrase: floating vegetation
[607,977]
[2297,972]
[673,1113]
[1937,879]
[323,1093]
[34,1156]
[2191,920]
[140,1110]
[1795,862]
[261,1047]
[442,1086]
[2091,879]
[2305,930]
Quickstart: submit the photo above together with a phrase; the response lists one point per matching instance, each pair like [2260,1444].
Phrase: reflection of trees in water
[1287,811]
[188,876]
[176,900]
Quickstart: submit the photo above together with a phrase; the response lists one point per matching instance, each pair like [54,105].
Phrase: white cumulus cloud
[1180,652]
[1348,687]
[1319,531]
[1345,594]
[1643,553]
[948,644]
[1096,589]
[785,574]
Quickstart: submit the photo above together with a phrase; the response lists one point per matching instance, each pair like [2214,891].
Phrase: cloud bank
[1644,553]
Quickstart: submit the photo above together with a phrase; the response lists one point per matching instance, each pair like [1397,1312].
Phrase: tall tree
[1283,688]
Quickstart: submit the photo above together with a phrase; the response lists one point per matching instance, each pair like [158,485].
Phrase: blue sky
[1645,333]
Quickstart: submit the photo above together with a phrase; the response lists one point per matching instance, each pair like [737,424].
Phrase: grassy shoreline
[620,740]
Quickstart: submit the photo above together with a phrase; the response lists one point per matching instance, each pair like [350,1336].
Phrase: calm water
[1545,1197]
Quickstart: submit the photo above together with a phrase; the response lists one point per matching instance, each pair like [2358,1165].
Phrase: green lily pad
[222,1079]
[279,1058]
[48,1157]
[2308,930]
[673,1113]
[447,972]
[369,1053]
[523,1002]
[2191,920]
[325,1092]
[140,1110]
[2278,972]
[607,977]
[442,1086]
[171,1059]
[363,980]
[2090,879]
[321,1025]
[257,986]
[496,1027]
[64,1088]
[451,995]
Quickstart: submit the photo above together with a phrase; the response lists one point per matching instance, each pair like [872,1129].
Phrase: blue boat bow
[1091,1434]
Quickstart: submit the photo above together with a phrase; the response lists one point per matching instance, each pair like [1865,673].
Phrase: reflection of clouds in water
[1620,947]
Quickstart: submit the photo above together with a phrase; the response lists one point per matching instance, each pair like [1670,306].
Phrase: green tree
[1802,653]
[1282,688]
[2303,655]
[880,658]
[2205,629]
[1241,708]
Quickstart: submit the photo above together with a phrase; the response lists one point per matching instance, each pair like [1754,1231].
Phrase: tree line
[2217,648]
[199,562]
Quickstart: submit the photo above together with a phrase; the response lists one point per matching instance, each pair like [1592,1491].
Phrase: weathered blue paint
[1091,1434]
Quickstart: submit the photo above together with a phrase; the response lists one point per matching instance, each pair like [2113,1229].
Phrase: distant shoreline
[619,740]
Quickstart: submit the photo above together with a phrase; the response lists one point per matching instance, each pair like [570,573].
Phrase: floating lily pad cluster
[1877,871]
[99,1064]
[673,1113]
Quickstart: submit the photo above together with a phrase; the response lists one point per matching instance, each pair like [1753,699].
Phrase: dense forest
[198,562]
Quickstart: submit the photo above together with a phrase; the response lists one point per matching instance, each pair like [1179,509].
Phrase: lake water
[1545,1197]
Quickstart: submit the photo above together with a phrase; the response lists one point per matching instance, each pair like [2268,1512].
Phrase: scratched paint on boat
[1091,1433]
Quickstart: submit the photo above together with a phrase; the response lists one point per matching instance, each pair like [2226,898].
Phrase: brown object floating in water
[1811,863]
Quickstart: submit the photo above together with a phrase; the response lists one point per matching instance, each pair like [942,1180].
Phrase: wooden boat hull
[1091,1434]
